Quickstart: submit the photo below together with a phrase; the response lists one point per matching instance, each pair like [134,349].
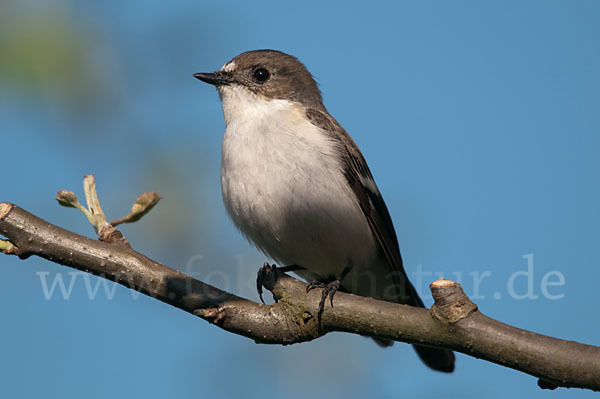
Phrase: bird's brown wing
[361,180]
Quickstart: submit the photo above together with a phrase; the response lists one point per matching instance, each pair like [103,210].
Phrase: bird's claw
[264,275]
[329,290]
[261,277]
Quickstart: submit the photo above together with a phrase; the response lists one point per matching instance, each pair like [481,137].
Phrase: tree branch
[454,322]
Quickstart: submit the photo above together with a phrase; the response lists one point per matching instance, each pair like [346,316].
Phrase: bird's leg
[265,269]
[329,290]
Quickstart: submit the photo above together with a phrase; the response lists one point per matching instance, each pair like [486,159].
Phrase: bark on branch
[453,322]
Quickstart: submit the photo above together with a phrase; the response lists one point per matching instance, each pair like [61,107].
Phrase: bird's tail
[435,358]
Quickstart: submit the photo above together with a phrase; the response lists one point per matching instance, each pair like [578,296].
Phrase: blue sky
[479,121]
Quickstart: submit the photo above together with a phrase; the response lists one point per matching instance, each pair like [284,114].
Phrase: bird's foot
[264,276]
[329,290]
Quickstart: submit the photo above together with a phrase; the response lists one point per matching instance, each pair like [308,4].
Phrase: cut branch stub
[6,247]
[451,302]
[5,208]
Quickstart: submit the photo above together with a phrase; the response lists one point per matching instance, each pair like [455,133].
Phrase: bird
[297,186]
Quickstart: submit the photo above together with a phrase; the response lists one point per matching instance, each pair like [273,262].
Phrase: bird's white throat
[241,105]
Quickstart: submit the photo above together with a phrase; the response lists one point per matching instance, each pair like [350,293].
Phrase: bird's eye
[261,75]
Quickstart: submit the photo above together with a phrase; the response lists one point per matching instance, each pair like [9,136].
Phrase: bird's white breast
[284,187]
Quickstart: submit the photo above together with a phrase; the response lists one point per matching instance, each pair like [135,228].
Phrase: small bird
[297,186]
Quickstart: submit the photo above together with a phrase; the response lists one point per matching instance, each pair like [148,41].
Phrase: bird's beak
[216,78]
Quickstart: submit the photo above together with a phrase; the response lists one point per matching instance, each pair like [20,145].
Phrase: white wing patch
[369,184]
